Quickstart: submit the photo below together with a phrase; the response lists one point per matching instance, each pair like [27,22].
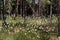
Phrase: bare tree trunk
[3,14]
[33,9]
[51,10]
[21,9]
[58,17]
[40,13]
[17,3]
[9,1]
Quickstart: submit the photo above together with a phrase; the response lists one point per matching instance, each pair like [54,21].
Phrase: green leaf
[48,2]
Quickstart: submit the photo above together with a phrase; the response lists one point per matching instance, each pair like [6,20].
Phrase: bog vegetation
[29,19]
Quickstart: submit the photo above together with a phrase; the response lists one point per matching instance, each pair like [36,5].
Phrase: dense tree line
[37,7]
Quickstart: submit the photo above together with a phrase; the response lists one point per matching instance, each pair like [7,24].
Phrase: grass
[29,28]
[18,36]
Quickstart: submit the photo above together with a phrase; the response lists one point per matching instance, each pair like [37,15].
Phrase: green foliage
[33,24]
[29,28]
[48,2]
[29,1]
[18,36]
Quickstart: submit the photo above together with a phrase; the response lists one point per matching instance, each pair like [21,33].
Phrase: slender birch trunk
[9,7]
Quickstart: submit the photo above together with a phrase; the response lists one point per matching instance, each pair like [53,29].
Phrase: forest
[29,19]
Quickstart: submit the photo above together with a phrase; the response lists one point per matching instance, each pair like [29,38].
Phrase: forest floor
[29,28]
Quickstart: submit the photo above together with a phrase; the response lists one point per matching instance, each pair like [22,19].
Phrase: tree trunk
[9,1]
[51,10]
[40,8]
[3,14]
[58,17]
[17,3]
